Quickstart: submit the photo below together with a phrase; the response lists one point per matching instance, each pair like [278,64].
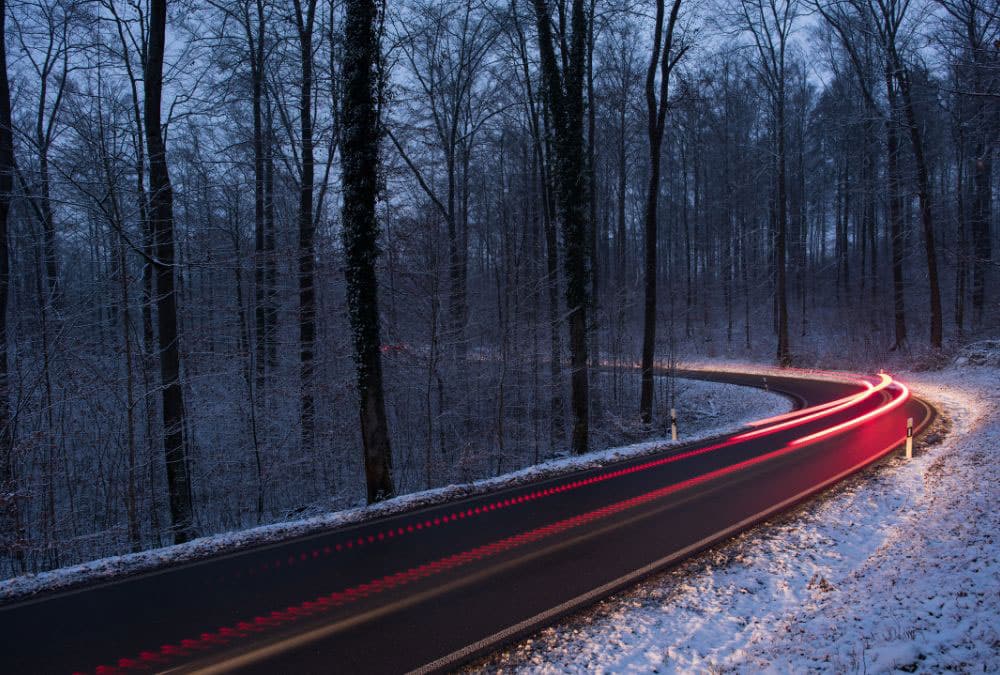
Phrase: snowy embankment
[897,569]
[706,409]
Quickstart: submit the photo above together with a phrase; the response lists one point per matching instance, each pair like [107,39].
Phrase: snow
[897,569]
[982,353]
[724,407]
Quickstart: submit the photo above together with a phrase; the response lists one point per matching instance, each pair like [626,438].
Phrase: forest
[261,259]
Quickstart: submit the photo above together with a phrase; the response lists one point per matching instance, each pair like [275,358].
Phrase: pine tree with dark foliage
[359,151]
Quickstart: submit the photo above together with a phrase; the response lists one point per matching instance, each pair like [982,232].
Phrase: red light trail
[172,653]
[891,405]
[797,421]
[803,411]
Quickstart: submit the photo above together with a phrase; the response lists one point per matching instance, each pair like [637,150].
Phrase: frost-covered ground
[896,570]
[706,409]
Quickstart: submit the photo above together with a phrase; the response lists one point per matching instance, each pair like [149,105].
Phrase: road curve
[428,589]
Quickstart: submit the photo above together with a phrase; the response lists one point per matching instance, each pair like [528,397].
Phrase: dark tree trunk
[620,232]
[656,110]
[255,52]
[781,235]
[542,180]
[48,220]
[270,264]
[558,430]
[961,261]
[926,212]
[895,216]
[161,218]
[305,19]
[456,257]
[564,97]
[360,232]
[867,233]
[9,520]
[595,263]
[982,249]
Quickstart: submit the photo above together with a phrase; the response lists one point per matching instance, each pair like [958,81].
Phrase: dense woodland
[261,258]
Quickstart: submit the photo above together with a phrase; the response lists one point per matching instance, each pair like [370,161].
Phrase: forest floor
[896,569]
[705,409]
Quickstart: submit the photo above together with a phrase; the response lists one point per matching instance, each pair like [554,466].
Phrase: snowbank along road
[428,589]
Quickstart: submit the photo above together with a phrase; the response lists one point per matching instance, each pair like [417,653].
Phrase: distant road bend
[434,587]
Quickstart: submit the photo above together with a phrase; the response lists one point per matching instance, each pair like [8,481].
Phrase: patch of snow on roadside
[897,569]
[733,407]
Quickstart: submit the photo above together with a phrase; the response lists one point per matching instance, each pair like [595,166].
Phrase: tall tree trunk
[982,248]
[595,269]
[926,212]
[43,141]
[961,260]
[456,280]
[556,382]
[564,95]
[895,214]
[9,517]
[866,236]
[245,358]
[255,45]
[270,264]
[541,181]
[620,232]
[161,218]
[305,20]
[131,499]
[781,234]
[148,355]
[48,220]
[656,109]
[360,233]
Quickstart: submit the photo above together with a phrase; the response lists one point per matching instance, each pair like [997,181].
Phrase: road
[429,589]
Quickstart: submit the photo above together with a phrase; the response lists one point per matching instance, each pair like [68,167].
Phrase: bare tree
[770,24]
[664,58]
[49,57]
[850,23]
[972,30]
[360,177]
[305,21]
[8,485]
[445,46]
[564,101]
[542,182]
[161,218]
[538,192]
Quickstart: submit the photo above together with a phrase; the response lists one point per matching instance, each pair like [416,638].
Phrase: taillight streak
[847,403]
[358,541]
[881,410]
[324,603]
[172,652]
[811,409]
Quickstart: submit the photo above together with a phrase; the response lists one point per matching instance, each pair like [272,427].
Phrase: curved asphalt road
[431,588]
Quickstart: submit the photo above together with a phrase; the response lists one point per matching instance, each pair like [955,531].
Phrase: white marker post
[766,388]
[909,438]
[673,423]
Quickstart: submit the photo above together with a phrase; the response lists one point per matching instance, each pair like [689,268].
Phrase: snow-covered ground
[897,569]
[706,409]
